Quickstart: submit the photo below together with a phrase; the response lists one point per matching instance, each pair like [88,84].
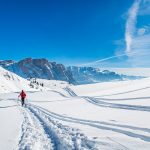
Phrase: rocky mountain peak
[40,68]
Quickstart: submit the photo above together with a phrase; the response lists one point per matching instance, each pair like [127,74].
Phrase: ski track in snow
[33,135]
[40,131]
[130,131]
[70,92]
[101,103]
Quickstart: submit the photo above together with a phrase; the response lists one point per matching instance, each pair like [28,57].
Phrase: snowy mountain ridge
[42,68]
[87,75]
[38,68]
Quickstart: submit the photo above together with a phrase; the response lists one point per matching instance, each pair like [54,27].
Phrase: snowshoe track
[40,131]
[102,103]
[33,135]
[130,131]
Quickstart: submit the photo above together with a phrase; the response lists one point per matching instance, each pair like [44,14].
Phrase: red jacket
[23,94]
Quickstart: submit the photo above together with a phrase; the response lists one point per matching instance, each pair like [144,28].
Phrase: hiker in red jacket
[23,96]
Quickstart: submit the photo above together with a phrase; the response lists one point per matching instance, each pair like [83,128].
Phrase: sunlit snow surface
[107,116]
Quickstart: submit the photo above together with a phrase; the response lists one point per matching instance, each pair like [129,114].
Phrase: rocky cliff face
[42,68]
[39,68]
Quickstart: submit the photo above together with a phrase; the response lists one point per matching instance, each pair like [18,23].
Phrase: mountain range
[44,69]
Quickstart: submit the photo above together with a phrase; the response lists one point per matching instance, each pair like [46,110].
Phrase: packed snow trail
[40,131]
[33,135]
[123,129]
[81,142]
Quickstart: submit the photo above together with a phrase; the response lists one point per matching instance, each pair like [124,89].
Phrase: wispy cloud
[138,38]
[108,58]
[140,44]
[131,24]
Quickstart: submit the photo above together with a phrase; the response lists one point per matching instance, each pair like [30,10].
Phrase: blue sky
[72,31]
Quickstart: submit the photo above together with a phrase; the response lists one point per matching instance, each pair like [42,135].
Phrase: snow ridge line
[65,138]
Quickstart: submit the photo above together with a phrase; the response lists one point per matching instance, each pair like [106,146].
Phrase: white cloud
[138,39]
[108,58]
[131,24]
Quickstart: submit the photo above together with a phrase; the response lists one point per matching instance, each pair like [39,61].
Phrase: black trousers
[22,101]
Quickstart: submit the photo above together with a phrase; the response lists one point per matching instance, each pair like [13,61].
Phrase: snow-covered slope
[10,82]
[53,83]
[107,116]
[115,88]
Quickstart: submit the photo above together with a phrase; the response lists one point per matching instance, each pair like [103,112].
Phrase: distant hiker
[23,96]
